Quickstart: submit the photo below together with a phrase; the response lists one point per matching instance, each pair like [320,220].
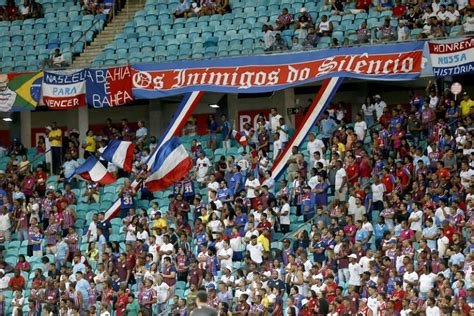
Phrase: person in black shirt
[202,308]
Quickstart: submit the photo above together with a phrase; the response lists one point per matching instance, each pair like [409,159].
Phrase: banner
[27,87]
[62,91]
[452,58]
[255,74]
[109,87]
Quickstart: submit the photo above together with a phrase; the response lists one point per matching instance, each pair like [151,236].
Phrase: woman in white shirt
[131,229]
[17,302]
[215,225]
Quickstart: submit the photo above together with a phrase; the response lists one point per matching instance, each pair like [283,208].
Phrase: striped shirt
[68,220]
[52,232]
[72,238]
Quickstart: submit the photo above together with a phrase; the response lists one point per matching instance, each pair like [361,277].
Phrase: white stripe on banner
[319,104]
[121,154]
[177,156]
[97,172]
[175,127]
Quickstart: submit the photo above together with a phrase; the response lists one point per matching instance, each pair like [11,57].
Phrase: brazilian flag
[28,90]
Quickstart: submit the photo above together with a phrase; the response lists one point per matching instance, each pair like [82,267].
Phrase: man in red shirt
[397,297]
[17,282]
[363,4]
[352,170]
[264,223]
[387,180]
[403,174]
[399,9]
[443,243]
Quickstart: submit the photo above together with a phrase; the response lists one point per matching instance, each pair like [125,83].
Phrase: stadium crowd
[375,21]
[373,217]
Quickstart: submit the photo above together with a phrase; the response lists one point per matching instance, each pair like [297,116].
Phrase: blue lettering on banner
[454,70]
[64,79]
[453,59]
[64,91]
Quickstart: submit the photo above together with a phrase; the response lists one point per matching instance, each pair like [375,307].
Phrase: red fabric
[363,4]
[387,181]
[449,232]
[352,173]
[399,10]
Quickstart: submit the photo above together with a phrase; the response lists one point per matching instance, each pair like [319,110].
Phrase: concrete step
[107,35]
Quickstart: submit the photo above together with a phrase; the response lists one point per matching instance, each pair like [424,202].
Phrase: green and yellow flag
[28,90]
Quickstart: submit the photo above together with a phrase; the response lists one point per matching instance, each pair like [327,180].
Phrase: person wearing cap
[379,105]
[355,270]
[304,20]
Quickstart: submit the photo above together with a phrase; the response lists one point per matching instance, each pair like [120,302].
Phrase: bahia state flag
[28,90]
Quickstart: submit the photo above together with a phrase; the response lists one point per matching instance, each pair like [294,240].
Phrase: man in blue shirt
[62,250]
[361,234]
[224,194]
[226,132]
[69,166]
[327,126]
[182,9]
[104,225]
[235,184]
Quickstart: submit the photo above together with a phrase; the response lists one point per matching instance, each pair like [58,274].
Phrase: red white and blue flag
[120,153]
[93,170]
[175,125]
[241,139]
[172,162]
[62,91]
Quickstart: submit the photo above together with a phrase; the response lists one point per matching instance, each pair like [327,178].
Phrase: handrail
[85,32]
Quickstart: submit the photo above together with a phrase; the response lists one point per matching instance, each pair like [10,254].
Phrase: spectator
[279,43]
[363,33]
[387,32]
[91,7]
[195,10]
[296,46]
[208,7]
[467,104]
[311,39]
[325,27]
[284,20]
[182,9]
[452,16]
[435,28]
[399,9]
[304,20]
[223,6]
[56,60]
[468,23]
[10,11]
[403,32]
[384,5]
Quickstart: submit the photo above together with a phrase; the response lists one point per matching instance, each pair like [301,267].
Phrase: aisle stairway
[108,34]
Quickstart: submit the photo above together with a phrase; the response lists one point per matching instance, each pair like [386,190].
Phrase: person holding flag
[126,194]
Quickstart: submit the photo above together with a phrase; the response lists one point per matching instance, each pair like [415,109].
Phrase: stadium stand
[291,235]
[374,213]
[25,44]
